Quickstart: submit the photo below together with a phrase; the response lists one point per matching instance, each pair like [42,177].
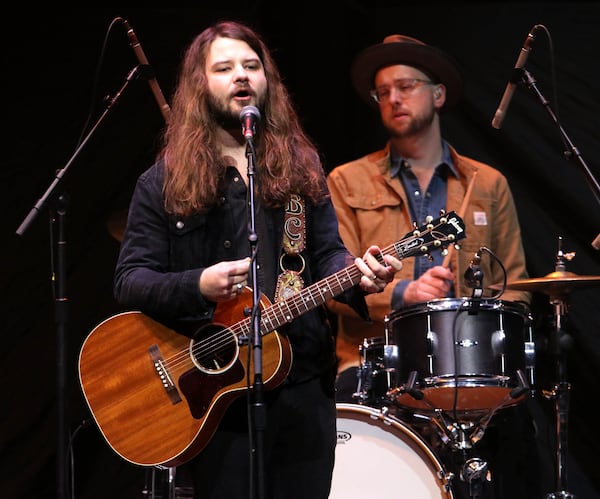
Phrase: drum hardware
[474,472]
[558,285]
[462,433]
[470,468]
[376,372]
[411,390]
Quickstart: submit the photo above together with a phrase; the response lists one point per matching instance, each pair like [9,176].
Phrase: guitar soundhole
[214,348]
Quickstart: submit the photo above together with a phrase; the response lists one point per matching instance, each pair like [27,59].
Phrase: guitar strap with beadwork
[289,281]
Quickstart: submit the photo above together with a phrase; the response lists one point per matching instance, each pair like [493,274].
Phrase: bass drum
[379,456]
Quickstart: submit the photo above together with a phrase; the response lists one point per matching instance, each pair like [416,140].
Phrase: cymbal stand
[561,391]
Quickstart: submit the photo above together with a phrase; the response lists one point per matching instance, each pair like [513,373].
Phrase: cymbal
[555,283]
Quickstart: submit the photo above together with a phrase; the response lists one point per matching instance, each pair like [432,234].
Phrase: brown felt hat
[400,49]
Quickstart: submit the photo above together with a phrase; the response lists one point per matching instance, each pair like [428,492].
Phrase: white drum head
[379,457]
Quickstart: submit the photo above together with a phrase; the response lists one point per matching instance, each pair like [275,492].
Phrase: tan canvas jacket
[372,208]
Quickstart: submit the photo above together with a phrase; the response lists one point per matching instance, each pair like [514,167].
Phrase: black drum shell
[475,347]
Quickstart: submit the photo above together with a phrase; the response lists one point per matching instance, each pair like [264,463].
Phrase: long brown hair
[286,159]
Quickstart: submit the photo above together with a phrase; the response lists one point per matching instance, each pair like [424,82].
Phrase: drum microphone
[474,275]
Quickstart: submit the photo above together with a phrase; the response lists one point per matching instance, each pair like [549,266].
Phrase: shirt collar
[398,162]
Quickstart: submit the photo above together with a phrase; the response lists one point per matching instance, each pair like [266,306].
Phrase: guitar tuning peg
[428,222]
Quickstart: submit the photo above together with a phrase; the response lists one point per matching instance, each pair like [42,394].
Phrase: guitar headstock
[435,234]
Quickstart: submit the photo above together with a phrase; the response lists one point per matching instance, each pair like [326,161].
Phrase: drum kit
[449,366]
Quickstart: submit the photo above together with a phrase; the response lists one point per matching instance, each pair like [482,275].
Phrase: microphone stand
[563,387]
[572,151]
[258,407]
[60,298]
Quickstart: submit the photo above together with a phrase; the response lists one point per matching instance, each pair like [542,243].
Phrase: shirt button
[180,225]
[227,244]
[417,194]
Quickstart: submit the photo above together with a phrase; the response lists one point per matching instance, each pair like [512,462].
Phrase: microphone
[474,275]
[516,75]
[141,57]
[249,116]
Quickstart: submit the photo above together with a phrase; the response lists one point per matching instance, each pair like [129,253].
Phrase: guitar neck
[435,235]
[316,294]
[419,242]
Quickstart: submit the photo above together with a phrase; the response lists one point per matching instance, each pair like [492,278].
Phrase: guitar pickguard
[199,388]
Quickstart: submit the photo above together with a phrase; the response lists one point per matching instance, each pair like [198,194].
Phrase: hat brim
[438,65]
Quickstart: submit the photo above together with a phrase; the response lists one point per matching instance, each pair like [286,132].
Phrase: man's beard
[416,126]
[226,119]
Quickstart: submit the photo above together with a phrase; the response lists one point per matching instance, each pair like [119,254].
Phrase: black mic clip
[517,76]
[474,277]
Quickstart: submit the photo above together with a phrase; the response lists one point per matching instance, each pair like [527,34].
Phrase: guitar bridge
[164,375]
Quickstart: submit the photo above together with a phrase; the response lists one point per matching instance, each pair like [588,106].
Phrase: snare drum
[379,456]
[462,355]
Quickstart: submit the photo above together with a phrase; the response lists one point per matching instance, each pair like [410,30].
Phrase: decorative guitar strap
[289,281]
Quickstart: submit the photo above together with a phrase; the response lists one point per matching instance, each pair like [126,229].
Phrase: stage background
[49,86]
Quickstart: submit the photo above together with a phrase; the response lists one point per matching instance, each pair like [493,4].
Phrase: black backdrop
[50,60]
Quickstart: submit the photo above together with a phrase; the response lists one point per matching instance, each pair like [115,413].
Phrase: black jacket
[162,257]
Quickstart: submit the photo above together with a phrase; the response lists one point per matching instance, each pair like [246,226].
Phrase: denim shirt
[421,205]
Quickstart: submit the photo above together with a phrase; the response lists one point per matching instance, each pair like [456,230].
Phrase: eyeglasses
[405,87]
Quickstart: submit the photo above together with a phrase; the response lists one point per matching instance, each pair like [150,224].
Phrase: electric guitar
[158,395]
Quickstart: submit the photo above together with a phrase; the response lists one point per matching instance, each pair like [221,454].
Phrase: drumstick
[461,213]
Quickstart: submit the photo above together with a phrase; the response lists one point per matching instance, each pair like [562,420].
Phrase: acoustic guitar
[158,394]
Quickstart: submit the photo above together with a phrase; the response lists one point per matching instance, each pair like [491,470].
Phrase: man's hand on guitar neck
[378,269]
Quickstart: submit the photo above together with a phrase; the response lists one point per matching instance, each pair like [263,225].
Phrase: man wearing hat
[417,174]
